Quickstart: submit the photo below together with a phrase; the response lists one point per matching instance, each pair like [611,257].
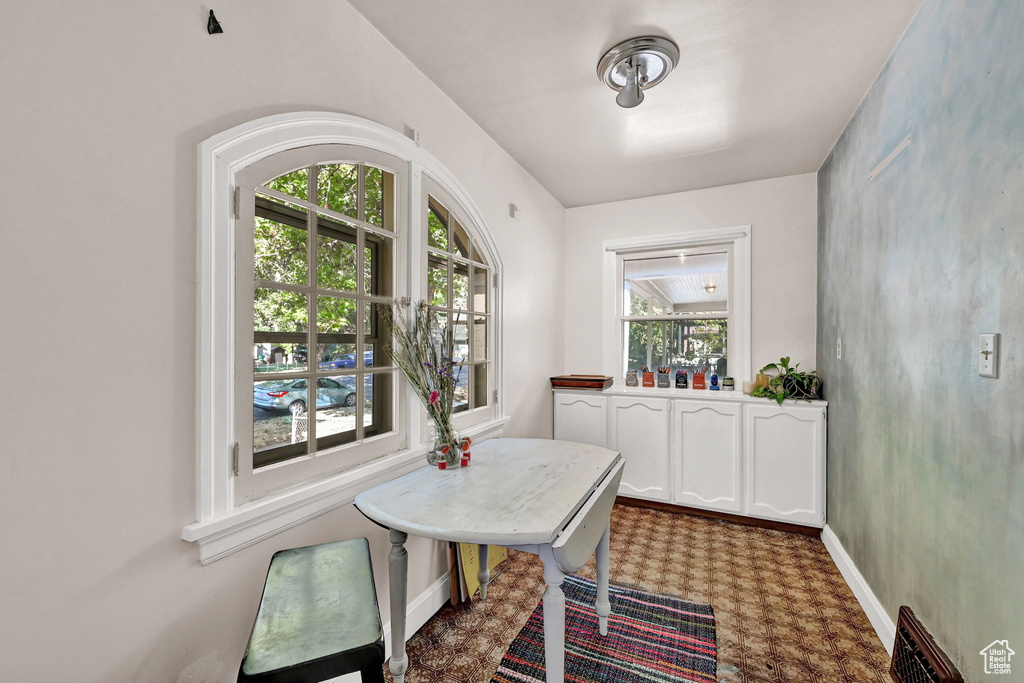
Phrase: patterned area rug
[651,639]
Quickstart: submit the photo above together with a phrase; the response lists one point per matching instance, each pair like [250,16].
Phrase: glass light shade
[631,94]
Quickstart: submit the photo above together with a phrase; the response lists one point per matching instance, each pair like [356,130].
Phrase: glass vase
[445,445]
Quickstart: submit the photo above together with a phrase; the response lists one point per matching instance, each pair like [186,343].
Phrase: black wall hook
[213,26]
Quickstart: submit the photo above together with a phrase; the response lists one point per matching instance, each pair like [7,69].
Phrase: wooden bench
[318,618]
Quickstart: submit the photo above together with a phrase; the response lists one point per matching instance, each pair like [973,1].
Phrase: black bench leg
[374,673]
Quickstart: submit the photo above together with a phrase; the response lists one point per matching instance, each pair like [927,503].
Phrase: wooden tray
[594,382]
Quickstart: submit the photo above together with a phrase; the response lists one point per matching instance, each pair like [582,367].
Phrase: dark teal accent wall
[926,458]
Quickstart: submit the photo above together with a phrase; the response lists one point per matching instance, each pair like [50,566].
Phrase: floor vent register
[916,658]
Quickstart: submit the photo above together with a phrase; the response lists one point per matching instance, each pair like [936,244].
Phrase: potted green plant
[789,382]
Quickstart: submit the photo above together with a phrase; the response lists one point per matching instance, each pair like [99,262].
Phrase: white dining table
[549,498]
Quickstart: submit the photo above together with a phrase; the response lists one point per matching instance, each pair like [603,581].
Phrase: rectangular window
[675,309]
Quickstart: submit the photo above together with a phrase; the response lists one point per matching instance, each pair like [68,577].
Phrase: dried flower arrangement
[424,351]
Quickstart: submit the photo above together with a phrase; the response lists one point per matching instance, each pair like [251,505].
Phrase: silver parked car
[291,394]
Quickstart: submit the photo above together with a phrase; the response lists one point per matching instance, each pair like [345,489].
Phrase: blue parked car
[347,360]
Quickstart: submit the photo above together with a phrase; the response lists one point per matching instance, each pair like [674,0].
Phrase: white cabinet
[727,453]
[639,429]
[581,417]
[784,453]
[709,457]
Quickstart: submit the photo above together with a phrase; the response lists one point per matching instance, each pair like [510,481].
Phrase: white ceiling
[763,88]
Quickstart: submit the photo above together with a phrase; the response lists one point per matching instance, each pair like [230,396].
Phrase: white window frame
[222,526]
[736,239]
[253,483]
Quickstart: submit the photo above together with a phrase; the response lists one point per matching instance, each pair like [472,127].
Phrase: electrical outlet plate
[839,348]
[988,355]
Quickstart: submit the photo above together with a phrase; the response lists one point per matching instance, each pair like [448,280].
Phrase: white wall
[103,105]
[782,213]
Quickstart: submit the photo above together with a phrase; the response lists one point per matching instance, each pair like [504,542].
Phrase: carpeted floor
[783,612]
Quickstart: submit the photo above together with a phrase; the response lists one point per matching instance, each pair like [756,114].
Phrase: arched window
[317,252]
[309,225]
[459,282]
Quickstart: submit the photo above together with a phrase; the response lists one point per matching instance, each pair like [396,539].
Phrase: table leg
[604,607]
[398,569]
[554,618]
[484,575]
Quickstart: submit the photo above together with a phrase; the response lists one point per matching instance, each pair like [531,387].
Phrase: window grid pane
[279,310]
[336,262]
[295,184]
[684,283]
[479,338]
[679,344]
[437,280]
[480,397]
[280,252]
[460,285]
[274,438]
[460,239]
[481,288]
[437,226]
[337,188]
[380,198]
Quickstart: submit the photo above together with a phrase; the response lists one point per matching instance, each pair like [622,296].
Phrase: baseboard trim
[725,516]
[883,625]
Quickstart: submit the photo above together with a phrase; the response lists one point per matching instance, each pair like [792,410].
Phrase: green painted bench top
[319,611]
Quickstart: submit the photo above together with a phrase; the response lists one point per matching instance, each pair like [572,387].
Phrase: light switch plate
[988,355]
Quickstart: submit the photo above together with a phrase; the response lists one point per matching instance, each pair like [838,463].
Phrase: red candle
[443,465]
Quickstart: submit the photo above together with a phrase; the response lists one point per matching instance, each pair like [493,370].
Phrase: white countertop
[736,395]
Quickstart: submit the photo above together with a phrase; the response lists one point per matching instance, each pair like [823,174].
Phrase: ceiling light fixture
[636,65]
[710,287]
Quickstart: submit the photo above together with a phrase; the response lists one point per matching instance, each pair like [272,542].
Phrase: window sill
[250,523]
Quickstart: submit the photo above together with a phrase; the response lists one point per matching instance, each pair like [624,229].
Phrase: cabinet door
[785,453]
[639,429]
[707,455]
[582,418]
